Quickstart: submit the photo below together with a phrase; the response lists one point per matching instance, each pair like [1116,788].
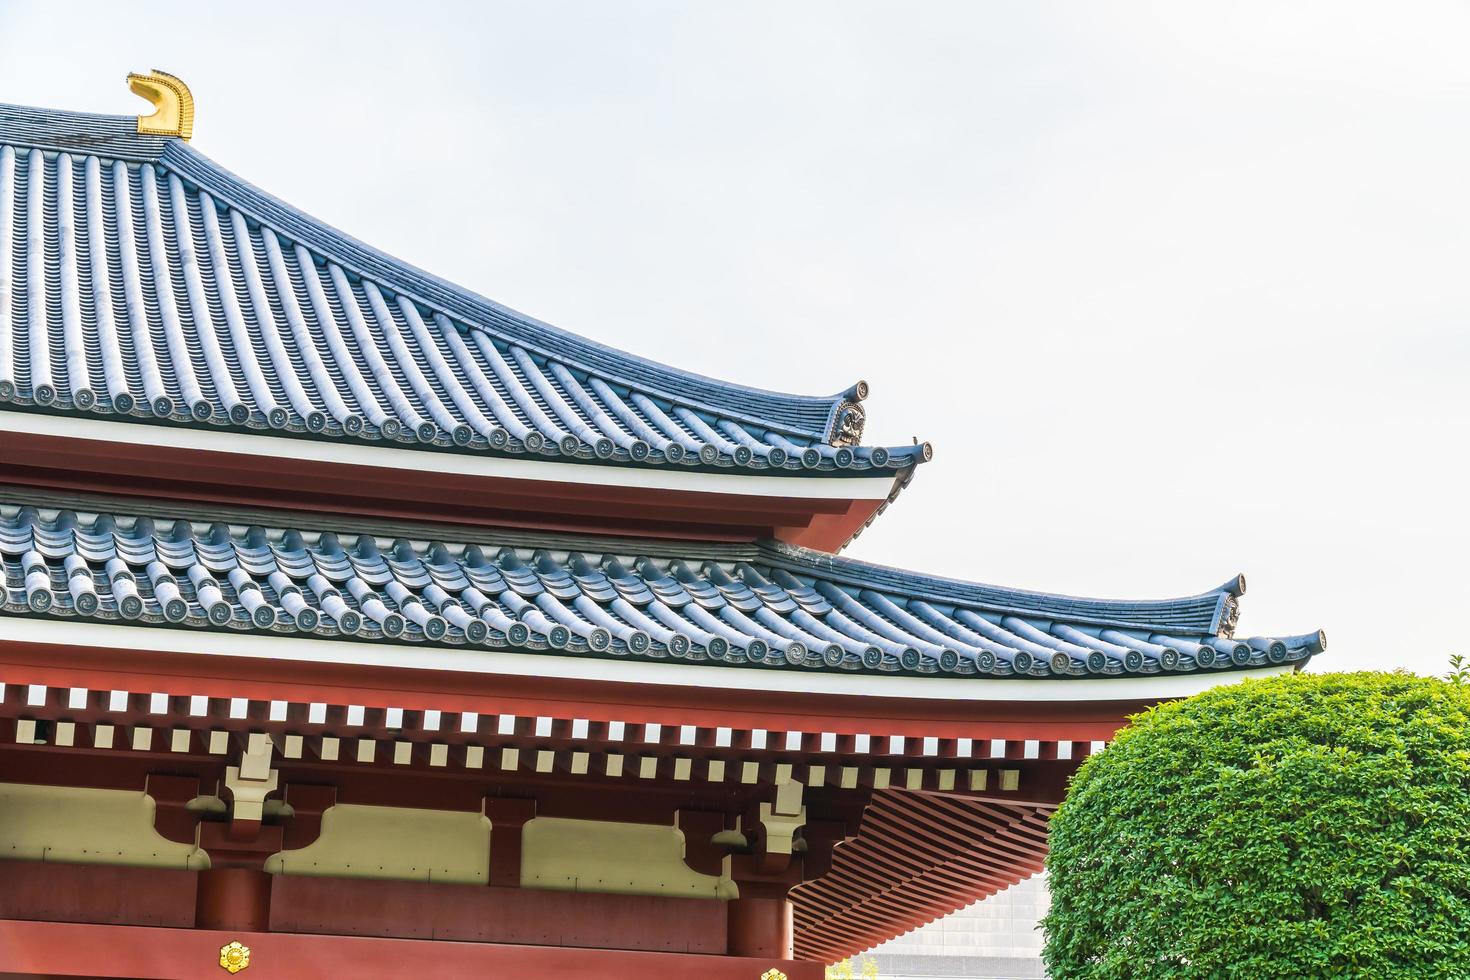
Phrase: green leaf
[1312,825]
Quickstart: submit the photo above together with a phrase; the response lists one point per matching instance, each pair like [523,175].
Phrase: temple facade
[354,623]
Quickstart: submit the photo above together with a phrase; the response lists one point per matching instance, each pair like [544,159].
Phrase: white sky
[1177,290]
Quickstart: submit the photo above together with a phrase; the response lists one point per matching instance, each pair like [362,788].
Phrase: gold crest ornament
[234,956]
[773,974]
[173,104]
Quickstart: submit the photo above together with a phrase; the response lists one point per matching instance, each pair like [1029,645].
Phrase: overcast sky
[1177,290]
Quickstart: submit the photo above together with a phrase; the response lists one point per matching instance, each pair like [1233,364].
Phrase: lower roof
[762,605]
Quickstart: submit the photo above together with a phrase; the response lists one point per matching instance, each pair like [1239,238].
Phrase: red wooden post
[233,898]
[171,815]
[308,803]
[760,922]
[700,852]
[507,817]
[235,893]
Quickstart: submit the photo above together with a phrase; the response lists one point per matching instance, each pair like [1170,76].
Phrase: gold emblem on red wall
[234,956]
[773,975]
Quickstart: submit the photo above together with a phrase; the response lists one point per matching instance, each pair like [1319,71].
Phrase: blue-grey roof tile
[763,604]
[141,281]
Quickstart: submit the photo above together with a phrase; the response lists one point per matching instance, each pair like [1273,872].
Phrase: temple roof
[762,605]
[140,281]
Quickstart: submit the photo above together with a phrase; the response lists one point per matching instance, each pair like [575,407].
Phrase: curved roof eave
[1210,612]
[776,607]
[805,415]
[561,395]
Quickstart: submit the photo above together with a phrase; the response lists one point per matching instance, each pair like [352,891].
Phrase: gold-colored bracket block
[234,956]
[173,104]
[783,818]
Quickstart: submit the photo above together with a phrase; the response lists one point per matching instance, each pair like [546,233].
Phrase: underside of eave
[916,858]
[592,499]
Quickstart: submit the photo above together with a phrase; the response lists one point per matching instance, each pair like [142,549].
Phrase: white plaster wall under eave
[88,826]
[409,844]
[622,858]
[392,842]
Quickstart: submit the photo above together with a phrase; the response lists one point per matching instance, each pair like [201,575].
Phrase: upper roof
[140,280]
[756,605]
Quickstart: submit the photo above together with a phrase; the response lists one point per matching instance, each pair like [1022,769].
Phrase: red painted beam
[103,668]
[616,798]
[488,914]
[74,950]
[97,893]
[85,465]
[761,925]
[508,817]
[831,532]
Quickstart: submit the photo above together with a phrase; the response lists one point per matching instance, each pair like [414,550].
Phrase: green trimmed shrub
[1310,825]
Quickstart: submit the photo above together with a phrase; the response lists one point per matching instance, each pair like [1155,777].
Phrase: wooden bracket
[307,803]
[699,827]
[507,817]
[172,817]
[821,837]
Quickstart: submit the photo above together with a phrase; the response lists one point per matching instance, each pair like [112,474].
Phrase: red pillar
[760,922]
[235,893]
[233,899]
[507,817]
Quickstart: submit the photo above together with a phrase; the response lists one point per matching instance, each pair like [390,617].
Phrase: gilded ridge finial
[173,104]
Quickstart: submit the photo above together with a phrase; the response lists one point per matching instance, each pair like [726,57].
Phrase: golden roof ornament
[173,104]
